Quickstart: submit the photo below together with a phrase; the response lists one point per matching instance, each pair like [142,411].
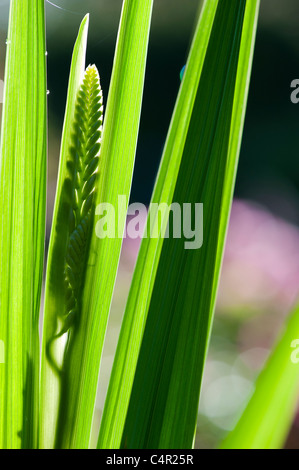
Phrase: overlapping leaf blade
[22,221]
[268,416]
[165,331]
[116,167]
[54,299]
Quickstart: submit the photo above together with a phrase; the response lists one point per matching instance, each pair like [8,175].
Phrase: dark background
[268,170]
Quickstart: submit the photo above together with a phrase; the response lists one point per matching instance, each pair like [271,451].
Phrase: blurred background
[260,275]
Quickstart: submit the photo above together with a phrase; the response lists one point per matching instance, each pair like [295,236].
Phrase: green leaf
[75,223]
[116,167]
[268,416]
[54,291]
[154,389]
[22,221]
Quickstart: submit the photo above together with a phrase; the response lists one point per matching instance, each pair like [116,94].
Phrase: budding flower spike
[79,189]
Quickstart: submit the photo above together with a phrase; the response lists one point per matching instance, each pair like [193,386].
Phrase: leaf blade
[116,166]
[267,418]
[151,413]
[22,221]
[50,387]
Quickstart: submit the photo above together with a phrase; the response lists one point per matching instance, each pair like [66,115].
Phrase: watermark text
[163,221]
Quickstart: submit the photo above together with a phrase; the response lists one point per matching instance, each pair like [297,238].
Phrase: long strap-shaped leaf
[22,221]
[269,413]
[55,301]
[121,124]
[117,156]
[165,331]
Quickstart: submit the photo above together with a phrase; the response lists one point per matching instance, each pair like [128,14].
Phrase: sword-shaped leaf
[55,314]
[154,389]
[268,416]
[77,366]
[22,221]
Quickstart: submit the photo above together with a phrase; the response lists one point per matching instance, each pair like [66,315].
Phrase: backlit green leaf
[55,302]
[22,221]
[269,413]
[165,332]
[117,156]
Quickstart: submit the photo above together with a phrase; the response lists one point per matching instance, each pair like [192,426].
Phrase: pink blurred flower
[261,261]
